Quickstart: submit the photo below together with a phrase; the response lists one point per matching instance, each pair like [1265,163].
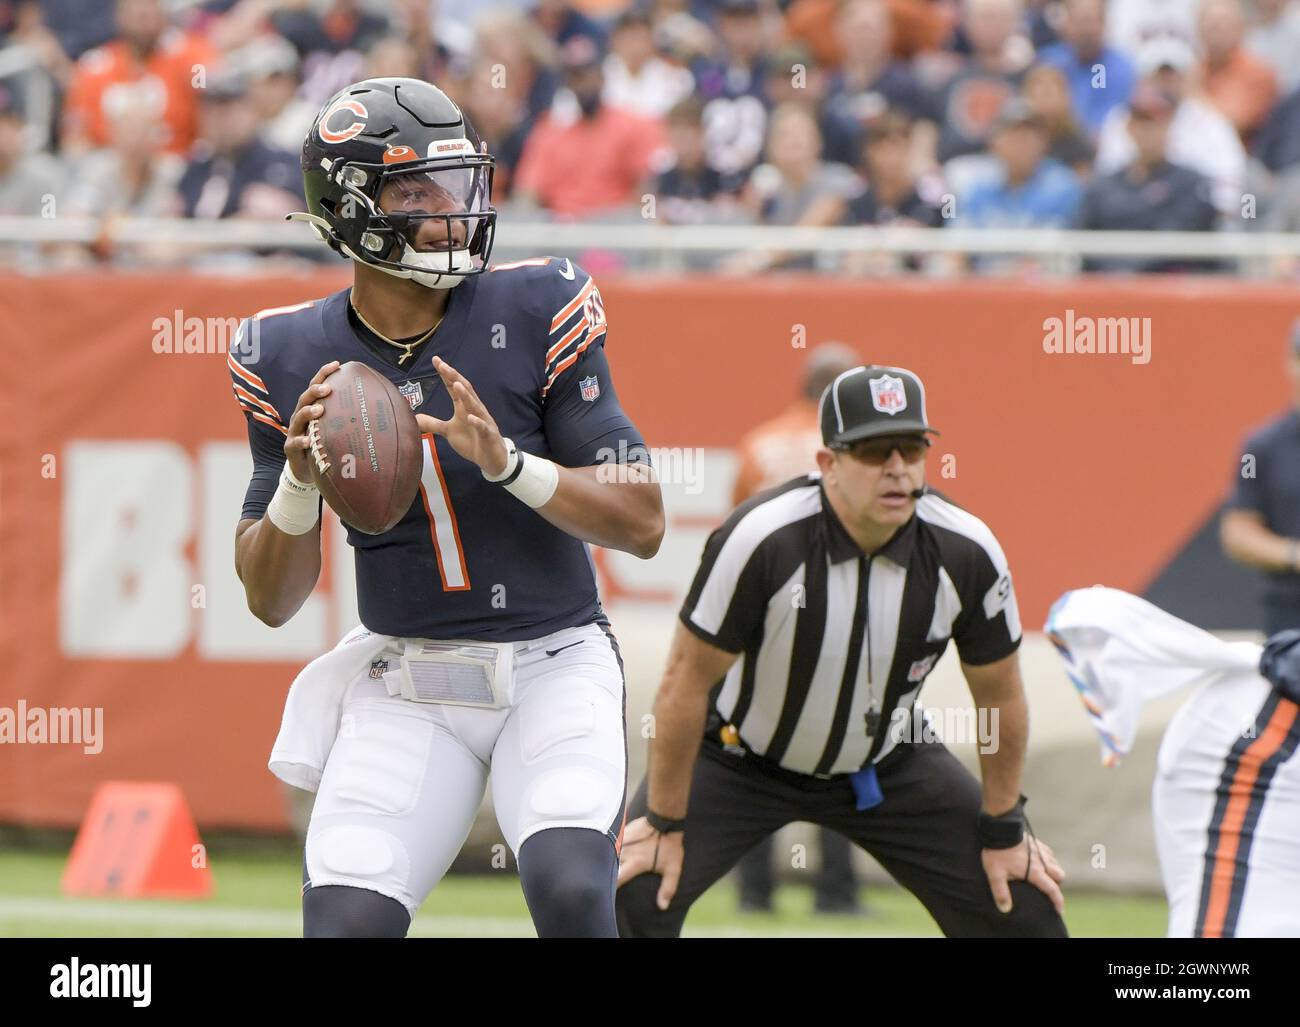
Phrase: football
[365,449]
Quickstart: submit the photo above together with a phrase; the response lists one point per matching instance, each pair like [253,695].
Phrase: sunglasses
[876,452]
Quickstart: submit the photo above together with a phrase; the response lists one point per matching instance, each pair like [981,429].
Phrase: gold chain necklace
[408,346]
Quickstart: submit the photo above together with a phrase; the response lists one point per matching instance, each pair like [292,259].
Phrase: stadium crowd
[1127,114]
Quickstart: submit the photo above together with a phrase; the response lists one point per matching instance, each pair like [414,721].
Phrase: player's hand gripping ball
[365,449]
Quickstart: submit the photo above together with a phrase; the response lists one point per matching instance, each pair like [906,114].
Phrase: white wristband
[530,479]
[537,481]
[295,507]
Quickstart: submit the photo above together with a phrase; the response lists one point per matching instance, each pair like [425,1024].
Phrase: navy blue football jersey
[469,560]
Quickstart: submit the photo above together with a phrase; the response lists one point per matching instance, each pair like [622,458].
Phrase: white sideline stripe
[235,919]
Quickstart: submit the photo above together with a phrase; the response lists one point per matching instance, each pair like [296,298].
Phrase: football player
[527,458]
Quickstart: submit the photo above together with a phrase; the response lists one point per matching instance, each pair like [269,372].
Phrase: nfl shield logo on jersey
[590,388]
[413,393]
[888,395]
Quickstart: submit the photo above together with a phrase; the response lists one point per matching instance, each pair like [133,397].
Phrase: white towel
[315,704]
[1120,651]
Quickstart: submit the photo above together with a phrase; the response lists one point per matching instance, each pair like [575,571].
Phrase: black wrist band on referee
[1004,831]
[663,824]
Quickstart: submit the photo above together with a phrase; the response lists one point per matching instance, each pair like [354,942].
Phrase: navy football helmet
[405,143]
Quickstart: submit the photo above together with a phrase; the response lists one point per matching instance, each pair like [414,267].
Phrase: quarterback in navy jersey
[489,569]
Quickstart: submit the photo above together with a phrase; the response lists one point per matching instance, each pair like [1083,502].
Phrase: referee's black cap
[873,400]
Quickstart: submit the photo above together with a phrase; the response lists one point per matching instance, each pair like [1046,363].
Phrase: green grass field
[257,896]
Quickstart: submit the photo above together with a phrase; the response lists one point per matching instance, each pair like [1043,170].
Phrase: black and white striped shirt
[828,632]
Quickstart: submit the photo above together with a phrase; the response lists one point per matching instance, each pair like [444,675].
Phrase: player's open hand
[646,851]
[297,444]
[1004,865]
[470,430]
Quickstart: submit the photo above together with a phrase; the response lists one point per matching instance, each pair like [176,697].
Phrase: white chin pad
[436,277]
[438,264]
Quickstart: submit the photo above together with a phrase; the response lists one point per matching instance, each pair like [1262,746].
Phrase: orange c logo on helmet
[348,131]
[397,154]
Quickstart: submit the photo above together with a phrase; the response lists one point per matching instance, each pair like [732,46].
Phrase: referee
[818,609]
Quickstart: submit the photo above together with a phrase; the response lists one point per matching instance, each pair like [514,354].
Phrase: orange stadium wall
[122,477]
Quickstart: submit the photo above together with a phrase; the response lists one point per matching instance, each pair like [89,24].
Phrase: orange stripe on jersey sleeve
[247,397]
[567,310]
[570,359]
[560,346]
[239,369]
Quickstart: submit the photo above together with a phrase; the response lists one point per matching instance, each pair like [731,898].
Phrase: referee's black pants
[923,834]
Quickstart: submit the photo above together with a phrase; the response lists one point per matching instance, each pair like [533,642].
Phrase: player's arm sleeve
[266,430]
[988,627]
[727,601]
[1247,492]
[582,417]
[584,421]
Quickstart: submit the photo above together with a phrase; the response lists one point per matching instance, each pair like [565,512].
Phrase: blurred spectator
[1239,85]
[128,178]
[636,77]
[270,65]
[392,56]
[331,38]
[594,159]
[1029,190]
[794,187]
[33,60]
[736,68]
[1274,36]
[521,59]
[561,21]
[688,191]
[28,179]
[891,196]
[1277,143]
[501,122]
[1131,24]
[1045,90]
[1151,193]
[916,26]
[77,25]
[970,101]
[731,83]
[151,68]
[231,172]
[1200,137]
[1100,77]
[869,80]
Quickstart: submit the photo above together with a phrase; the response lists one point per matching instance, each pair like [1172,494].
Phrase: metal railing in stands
[1060,251]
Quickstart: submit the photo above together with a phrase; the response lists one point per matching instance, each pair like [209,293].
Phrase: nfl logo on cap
[888,395]
[590,388]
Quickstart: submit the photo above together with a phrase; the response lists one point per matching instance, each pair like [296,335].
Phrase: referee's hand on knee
[1033,861]
[647,851]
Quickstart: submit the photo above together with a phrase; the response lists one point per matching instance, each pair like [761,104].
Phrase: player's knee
[1032,913]
[568,878]
[339,911]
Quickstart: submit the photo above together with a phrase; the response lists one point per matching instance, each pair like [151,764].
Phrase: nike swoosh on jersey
[567,270]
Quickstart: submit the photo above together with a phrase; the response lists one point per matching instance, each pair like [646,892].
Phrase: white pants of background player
[404,780]
[1237,875]
[1226,798]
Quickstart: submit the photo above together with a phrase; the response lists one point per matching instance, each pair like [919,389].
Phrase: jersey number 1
[442,521]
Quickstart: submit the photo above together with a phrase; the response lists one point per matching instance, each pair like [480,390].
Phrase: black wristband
[662,824]
[1004,831]
[519,469]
